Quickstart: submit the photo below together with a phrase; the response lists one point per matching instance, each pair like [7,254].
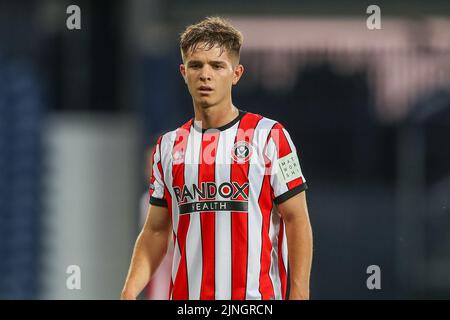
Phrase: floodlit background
[369,111]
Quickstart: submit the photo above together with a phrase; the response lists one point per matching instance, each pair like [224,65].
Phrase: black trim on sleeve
[290,193]
[158,202]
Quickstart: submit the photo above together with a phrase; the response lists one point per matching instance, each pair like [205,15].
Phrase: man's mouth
[205,89]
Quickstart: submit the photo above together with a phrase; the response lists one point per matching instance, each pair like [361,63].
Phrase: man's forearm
[300,244]
[148,253]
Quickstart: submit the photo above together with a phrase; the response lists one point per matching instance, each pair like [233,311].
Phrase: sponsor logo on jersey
[203,197]
[209,190]
[289,167]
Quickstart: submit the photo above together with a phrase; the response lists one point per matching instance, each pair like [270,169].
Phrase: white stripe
[166,162]
[255,221]
[223,218]
[194,255]
[158,184]
[276,180]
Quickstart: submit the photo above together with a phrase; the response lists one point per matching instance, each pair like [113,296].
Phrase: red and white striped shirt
[221,187]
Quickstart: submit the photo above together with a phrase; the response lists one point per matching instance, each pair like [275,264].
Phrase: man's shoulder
[263,122]
[170,135]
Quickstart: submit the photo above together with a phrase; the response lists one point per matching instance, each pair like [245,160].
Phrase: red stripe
[281,266]
[280,140]
[265,204]
[206,173]
[239,220]
[294,183]
[181,285]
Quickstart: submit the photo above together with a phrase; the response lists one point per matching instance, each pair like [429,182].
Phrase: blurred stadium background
[369,111]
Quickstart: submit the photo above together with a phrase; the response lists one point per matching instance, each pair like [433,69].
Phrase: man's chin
[204,104]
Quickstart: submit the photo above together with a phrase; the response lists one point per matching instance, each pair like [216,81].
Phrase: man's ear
[183,72]
[238,71]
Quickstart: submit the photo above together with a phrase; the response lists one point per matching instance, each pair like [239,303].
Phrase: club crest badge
[241,151]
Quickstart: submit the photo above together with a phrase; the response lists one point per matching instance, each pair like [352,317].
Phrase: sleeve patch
[289,166]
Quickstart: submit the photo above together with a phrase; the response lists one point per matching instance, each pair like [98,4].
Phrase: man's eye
[218,66]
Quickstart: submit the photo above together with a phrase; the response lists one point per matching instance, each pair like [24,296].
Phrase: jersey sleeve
[286,177]
[157,186]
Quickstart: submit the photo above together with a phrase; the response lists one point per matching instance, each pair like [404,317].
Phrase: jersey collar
[224,127]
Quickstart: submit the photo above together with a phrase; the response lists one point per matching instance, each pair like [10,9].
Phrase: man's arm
[300,244]
[149,250]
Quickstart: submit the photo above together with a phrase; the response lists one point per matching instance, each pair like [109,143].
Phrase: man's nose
[205,75]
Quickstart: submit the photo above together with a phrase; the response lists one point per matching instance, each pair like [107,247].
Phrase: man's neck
[215,116]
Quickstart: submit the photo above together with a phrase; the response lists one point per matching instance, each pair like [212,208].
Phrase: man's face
[210,74]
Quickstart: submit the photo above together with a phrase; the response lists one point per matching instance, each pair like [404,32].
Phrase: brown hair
[212,31]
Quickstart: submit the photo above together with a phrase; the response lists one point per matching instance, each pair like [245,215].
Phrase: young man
[228,186]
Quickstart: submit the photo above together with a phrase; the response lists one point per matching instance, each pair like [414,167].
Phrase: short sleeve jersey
[221,187]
